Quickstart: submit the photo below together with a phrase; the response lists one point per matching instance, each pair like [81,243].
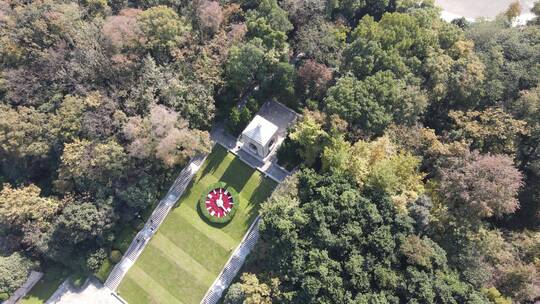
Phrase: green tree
[14,270]
[162,29]
[511,57]
[329,242]
[335,155]
[89,166]
[536,11]
[246,65]
[372,104]
[84,221]
[310,136]
[273,14]
[321,41]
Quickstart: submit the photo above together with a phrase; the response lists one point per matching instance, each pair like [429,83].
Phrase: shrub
[287,154]
[137,224]
[115,256]
[78,279]
[218,220]
[4,296]
[95,260]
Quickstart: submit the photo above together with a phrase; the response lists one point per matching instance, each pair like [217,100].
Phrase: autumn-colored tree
[492,130]
[251,291]
[165,136]
[513,10]
[210,16]
[480,186]
[24,132]
[122,31]
[372,104]
[19,206]
[377,165]
[313,79]
[88,166]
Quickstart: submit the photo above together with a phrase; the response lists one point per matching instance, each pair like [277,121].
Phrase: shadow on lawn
[260,194]
[237,174]
[213,161]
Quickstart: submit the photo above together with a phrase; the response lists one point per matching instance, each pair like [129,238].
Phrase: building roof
[260,130]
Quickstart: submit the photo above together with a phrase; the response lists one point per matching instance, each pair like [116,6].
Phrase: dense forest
[417,152]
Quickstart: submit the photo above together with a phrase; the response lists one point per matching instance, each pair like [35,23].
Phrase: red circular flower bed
[219,202]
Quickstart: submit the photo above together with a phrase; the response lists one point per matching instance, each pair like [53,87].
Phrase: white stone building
[260,137]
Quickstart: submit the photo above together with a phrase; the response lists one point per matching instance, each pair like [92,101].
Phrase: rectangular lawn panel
[186,255]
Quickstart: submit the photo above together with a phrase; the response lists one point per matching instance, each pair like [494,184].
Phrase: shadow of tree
[215,158]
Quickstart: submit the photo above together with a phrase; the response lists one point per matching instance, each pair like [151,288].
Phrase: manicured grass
[43,290]
[185,256]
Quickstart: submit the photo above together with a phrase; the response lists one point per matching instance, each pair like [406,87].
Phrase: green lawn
[185,256]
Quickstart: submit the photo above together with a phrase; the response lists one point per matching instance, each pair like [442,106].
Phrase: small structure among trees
[266,131]
[259,137]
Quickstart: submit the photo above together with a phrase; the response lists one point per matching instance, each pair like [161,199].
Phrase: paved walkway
[92,292]
[158,216]
[269,167]
[32,279]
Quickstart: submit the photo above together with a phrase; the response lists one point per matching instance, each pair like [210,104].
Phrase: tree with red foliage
[481,185]
[313,79]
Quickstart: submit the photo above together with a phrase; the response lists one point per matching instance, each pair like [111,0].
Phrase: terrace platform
[279,115]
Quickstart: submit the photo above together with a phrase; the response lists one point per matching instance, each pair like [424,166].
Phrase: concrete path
[32,280]
[158,216]
[92,292]
[282,117]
